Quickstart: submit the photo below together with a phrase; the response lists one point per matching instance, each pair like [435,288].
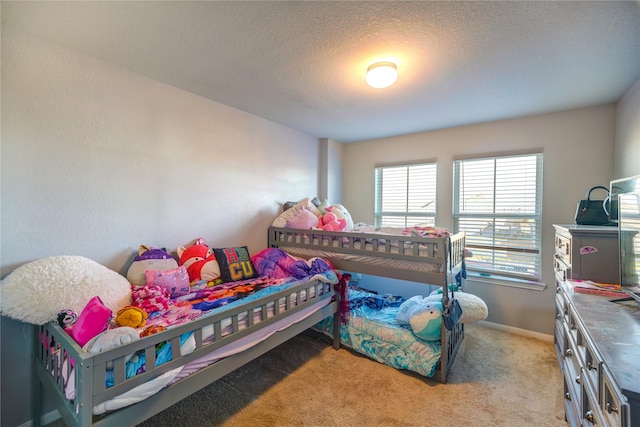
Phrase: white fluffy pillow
[284,217]
[36,292]
[473,307]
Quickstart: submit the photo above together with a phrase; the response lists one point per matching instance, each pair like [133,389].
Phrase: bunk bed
[406,256]
[246,329]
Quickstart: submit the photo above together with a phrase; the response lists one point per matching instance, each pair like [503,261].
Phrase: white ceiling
[302,64]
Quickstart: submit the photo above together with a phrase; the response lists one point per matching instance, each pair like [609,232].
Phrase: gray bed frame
[51,341]
[447,253]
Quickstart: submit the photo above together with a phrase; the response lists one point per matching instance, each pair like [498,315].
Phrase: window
[498,203]
[405,195]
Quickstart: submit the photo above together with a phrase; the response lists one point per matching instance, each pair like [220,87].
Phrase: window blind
[405,195]
[498,204]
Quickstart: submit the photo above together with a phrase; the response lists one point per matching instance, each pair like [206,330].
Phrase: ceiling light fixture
[382,74]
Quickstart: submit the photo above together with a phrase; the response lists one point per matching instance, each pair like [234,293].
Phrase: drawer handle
[610,408]
[589,416]
[569,352]
[591,367]
[567,396]
[578,379]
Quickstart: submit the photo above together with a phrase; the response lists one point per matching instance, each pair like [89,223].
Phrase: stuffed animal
[149,259]
[426,320]
[330,222]
[199,261]
[131,316]
[343,214]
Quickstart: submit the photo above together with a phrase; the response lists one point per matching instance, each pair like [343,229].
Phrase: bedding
[372,330]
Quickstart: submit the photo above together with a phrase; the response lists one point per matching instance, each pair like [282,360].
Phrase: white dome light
[382,74]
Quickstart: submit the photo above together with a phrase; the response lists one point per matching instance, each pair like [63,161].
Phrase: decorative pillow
[93,321]
[37,291]
[281,220]
[175,281]
[473,307]
[235,264]
[303,219]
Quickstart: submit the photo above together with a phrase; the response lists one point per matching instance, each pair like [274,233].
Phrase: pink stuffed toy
[329,221]
[199,261]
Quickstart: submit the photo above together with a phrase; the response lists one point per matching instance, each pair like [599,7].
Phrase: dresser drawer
[591,415]
[615,408]
[570,407]
[591,361]
[558,336]
[562,269]
[563,248]
[572,369]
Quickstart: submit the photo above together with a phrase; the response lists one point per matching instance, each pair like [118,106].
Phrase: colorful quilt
[372,331]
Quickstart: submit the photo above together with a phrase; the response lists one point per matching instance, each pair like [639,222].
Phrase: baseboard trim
[518,331]
[45,419]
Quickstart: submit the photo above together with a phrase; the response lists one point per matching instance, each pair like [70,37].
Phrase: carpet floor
[498,379]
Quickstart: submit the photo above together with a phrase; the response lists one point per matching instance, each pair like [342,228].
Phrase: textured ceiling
[302,64]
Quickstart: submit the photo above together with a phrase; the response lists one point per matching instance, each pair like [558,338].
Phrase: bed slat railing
[410,248]
[90,370]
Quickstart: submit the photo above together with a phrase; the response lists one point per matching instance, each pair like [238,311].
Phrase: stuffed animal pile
[311,214]
[156,280]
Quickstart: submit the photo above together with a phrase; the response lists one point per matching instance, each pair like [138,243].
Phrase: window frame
[411,216]
[531,245]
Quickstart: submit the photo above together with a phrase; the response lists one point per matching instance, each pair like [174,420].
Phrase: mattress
[373,332]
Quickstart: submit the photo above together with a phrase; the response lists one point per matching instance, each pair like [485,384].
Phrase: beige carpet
[498,379]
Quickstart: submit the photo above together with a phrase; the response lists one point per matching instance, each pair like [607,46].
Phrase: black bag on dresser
[592,212]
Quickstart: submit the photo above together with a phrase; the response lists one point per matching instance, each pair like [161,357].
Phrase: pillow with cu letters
[235,264]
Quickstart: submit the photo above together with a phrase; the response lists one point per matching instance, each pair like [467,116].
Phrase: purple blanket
[277,264]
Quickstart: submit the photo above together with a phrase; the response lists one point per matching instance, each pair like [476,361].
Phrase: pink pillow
[93,321]
[175,281]
[303,219]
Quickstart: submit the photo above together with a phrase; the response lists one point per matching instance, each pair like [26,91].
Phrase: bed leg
[336,330]
[36,387]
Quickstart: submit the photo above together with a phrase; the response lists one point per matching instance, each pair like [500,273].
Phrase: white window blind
[498,204]
[405,195]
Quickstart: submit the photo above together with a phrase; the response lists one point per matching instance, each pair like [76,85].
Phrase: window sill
[504,281]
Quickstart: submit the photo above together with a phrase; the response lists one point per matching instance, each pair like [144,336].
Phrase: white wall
[97,160]
[627,151]
[578,153]
[330,170]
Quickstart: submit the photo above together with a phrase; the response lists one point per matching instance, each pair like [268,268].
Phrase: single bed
[247,328]
[400,254]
